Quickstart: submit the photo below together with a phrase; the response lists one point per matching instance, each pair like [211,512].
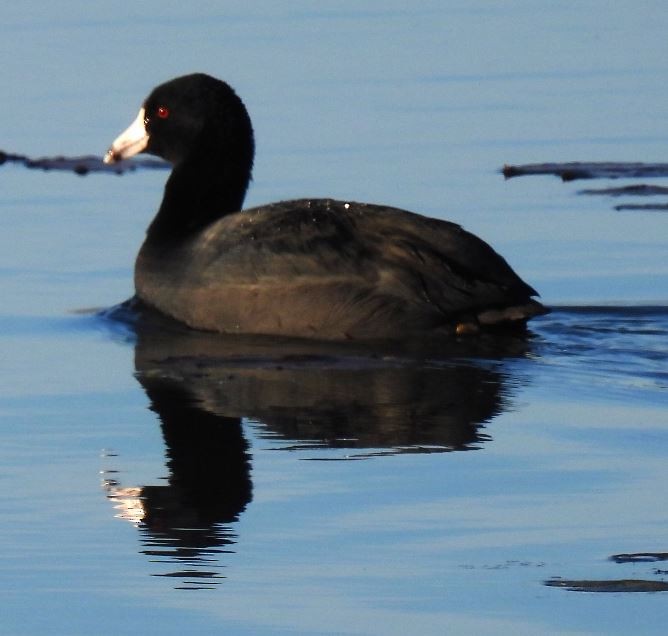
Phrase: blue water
[337,491]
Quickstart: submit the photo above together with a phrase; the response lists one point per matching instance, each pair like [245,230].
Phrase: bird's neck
[199,191]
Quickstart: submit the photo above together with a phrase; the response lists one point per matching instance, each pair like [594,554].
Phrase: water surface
[153,480]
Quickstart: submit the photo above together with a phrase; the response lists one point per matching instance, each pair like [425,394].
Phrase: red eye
[162,112]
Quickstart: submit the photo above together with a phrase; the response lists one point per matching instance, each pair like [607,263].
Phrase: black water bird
[313,268]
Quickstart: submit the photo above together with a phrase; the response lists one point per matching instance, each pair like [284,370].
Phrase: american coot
[314,268]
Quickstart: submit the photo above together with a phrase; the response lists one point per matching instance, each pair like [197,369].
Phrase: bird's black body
[315,268]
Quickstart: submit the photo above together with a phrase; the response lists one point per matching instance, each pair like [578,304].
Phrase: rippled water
[153,479]
[461,488]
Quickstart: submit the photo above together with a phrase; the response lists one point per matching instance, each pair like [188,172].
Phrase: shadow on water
[370,400]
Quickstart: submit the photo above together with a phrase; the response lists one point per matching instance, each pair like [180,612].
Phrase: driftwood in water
[632,190]
[567,171]
[659,207]
[589,170]
[82,165]
[610,586]
[620,585]
[605,170]
[639,557]
[639,189]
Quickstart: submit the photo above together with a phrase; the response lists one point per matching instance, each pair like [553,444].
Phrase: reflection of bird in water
[362,395]
[361,404]
[377,401]
[187,521]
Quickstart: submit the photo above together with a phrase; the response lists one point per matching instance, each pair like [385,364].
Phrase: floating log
[630,190]
[639,557]
[658,207]
[614,586]
[587,170]
[84,164]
